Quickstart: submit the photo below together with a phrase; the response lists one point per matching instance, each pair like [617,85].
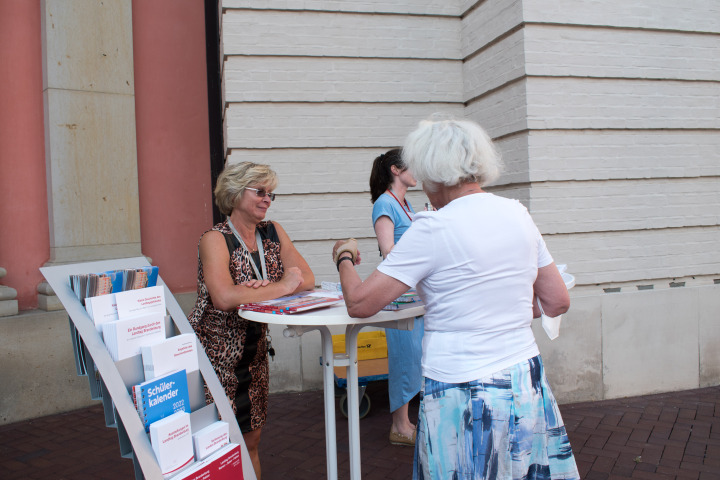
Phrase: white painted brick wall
[690,15]
[466,5]
[635,255]
[489,21]
[318,255]
[256,32]
[602,154]
[315,221]
[287,125]
[500,63]
[316,170]
[330,79]
[333,216]
[613,103]
[308,93]
[627,205]
[514,153]
[324,216]
[599,52]
[416,7]
[620,174]
[501,112]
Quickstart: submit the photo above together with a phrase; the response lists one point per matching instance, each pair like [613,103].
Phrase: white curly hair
[448,151]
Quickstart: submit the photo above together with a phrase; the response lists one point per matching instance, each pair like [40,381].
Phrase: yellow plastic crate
[371,345]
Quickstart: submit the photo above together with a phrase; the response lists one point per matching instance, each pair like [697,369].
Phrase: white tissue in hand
[551,325]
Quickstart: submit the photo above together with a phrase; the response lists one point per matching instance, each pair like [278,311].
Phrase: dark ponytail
[381,176]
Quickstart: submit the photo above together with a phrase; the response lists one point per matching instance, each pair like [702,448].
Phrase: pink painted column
[24,232]
[172,135]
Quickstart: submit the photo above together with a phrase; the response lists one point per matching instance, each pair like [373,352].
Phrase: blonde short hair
[449,152]
[236,177]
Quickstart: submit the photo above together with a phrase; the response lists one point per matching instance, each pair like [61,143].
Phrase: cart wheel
[339,392]
[364,405]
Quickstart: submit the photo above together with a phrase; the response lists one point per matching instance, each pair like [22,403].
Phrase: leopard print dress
[237,348]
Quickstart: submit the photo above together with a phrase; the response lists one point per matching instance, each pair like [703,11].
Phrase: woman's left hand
[256,283]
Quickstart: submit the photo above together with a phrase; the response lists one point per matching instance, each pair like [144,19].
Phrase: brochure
[301,302]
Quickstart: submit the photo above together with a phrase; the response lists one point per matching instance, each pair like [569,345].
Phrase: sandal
[397,438]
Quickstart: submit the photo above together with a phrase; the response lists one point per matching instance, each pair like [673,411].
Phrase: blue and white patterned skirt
[504,426]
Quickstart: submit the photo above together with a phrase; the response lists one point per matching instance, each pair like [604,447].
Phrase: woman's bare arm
[224,293]
[385,233]
[364,299]
[550,289]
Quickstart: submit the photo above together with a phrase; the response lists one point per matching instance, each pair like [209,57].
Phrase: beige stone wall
[37,371]
[625,344]
[90,147]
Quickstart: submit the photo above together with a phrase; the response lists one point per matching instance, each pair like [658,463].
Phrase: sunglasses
[260,192]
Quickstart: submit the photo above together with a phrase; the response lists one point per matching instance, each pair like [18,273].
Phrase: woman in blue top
[392,215]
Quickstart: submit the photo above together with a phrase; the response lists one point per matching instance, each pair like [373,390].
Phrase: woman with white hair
[480,265]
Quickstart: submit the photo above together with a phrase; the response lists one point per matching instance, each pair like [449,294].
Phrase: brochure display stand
[112,381]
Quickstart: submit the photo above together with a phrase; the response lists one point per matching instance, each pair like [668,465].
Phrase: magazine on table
[408,299]
[299,302]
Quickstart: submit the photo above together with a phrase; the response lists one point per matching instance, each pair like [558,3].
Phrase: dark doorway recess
[215,110]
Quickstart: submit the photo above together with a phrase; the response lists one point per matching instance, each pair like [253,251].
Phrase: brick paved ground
[654,437]
[664,436]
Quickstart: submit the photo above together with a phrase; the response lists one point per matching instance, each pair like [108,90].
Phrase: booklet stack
[161,397]
[87,285]
[140,320]
[102,309]
[125,338]
[173,353]
[406,300]
[210,439]
[225,464]
[172,443]
[300,302]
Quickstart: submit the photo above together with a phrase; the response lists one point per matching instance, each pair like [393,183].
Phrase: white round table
[320,320]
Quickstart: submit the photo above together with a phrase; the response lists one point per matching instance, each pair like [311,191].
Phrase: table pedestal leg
[350,361]
[351,334]
[329,393]
[328,364]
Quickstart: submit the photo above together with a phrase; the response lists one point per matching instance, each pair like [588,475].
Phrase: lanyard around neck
[261,251]
[401,205]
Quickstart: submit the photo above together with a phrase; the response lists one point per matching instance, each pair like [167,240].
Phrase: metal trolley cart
[372,366]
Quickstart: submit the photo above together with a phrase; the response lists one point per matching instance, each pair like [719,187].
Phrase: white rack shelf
[114,380]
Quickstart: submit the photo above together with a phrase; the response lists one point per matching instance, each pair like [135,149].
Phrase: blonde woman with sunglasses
[244,259]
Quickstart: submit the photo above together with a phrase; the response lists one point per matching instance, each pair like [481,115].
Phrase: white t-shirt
[474,263]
